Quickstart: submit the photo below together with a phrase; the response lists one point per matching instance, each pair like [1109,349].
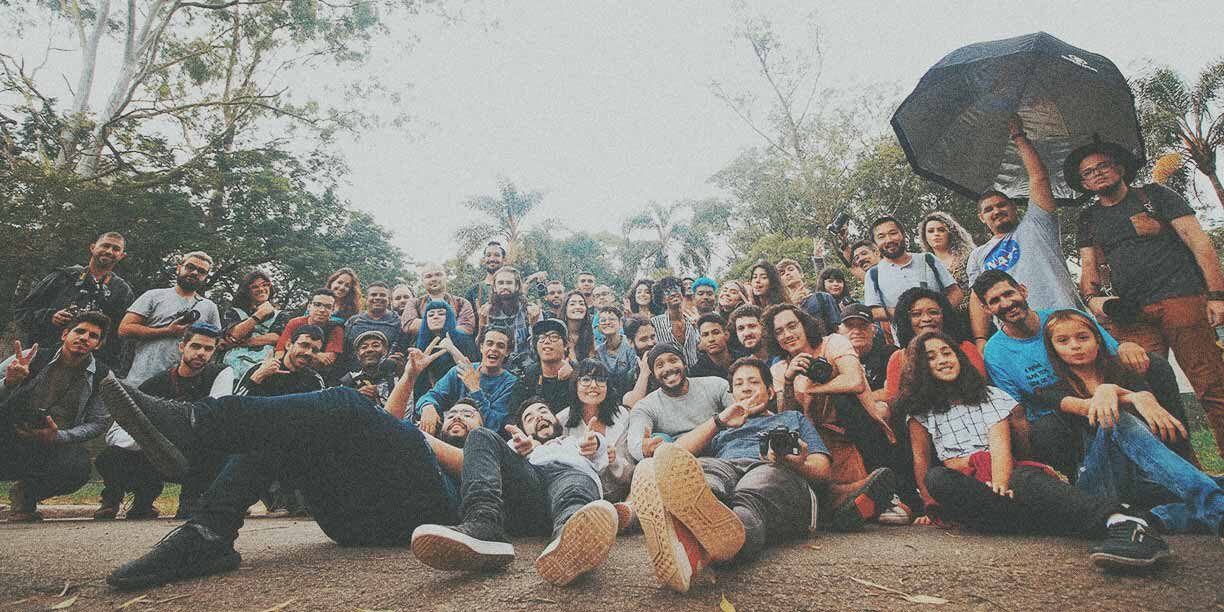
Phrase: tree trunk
[1215,184]
[80,99]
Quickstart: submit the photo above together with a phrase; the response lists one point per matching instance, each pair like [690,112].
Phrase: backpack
[874,273]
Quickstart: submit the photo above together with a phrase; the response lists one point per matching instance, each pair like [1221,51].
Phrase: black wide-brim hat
[1118,152]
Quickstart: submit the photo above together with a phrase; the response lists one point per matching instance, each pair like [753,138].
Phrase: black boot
[190,550]
[162,427]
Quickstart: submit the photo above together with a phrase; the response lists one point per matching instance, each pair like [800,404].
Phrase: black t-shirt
[706,367]
[1148,261]
[170,385]
[875,362]
[533,383]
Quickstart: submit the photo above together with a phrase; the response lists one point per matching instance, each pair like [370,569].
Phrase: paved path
[292,561]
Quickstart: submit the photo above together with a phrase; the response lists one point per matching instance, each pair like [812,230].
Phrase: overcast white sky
[605,106]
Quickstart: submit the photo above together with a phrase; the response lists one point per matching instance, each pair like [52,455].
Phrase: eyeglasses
[194,269]
[1100,168]
[587,381]
[549,337]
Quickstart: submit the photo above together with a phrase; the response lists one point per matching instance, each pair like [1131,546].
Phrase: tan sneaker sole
[686,495]
[671,563]
[583,546]
[443,548]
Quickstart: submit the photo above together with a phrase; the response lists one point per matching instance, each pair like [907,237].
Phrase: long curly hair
[813,328]
[922,393]
[904,329]
[242,295]
[636,309]
[960,241]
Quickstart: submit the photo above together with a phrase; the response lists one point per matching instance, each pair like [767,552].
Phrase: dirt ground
[290,565]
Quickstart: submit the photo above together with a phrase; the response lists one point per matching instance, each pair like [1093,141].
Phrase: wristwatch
[719,425]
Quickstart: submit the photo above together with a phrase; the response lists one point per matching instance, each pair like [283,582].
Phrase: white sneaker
[897,514]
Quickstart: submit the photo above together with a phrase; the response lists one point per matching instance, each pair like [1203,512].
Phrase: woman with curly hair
[921,311]
[640,299]
[940,234]
[347,287]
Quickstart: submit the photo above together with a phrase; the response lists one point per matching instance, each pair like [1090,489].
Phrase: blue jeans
[1124,460]
[368,478]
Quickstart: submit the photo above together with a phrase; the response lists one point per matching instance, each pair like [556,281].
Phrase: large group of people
[963,384]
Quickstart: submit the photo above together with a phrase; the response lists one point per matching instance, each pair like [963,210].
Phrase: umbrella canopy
[953,127]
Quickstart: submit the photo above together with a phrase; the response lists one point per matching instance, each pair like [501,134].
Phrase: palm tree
[673,238]
[504,219]
[1184,119]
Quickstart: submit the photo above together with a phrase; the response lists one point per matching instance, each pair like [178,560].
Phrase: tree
[681,235]
[563,253]
[504,219]
[1185,119]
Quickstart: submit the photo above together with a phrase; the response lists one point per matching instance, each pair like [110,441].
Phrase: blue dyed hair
[425,335]
[705,281]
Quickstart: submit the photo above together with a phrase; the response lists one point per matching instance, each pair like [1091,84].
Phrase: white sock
[1118,517]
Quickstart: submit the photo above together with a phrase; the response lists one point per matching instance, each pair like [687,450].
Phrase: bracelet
[719,425]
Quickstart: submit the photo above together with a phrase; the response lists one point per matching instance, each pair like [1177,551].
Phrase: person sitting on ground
[731,295]
[1017,362]
[121,464]
[252,325]
[873,352]
[486,382]
[433,278]
[615,351]
[440,322]
[42,388]
[392,481]
[833,282]
[678,405]
[291,372]
[920,311]
[323,303]
[713,355]
[641,334]
[973,478]
[581,331]
[593,405]
[816,303]
[899,270]
[376,376]
[673,326]
[550,373]
[948,240]
[43,314]
[747,334]
[820,376]
[1122,426]
[378,316]
[540,483]
[765,285]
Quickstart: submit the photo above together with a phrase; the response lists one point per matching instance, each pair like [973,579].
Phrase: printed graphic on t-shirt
[1004,256]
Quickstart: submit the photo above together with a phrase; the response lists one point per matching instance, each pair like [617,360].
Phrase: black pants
[774,502]
[500,486]
[125,470]
[46,470]
[877,451]
[1042,504]
[369,478]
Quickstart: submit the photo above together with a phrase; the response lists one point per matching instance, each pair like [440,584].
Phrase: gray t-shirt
[1033,256]
[159,307]
[662,413]
[893,280]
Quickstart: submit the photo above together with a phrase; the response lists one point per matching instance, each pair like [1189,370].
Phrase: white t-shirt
[963,429]
[159,307]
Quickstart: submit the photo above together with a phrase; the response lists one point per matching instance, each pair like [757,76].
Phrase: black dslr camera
[386,370]
[781,439]
[187,317]
[840,220]
[820,371]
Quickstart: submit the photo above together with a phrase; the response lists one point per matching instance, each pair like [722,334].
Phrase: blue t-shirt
[742,443]
[1022,367]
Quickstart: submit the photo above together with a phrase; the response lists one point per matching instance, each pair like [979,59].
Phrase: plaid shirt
[962,430]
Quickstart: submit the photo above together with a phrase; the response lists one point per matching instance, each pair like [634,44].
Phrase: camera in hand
[839,223]
[782,440]
[27,416]
[187,317]
[386,370]
[820,371]
[540,288]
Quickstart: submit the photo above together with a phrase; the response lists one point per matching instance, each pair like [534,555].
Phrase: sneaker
[472,546]
[626,517]
[583,545]
[676,555]
[863,501]
[686,496]
[24,516]
[190,550]
[1129,544]
[896,514]
[106,512]
[140,513]
[21,508]
[162,427]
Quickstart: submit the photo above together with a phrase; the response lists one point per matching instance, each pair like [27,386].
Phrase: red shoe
[673,550]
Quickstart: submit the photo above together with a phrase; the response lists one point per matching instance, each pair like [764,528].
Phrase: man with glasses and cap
[159,317]
[549,376]
[121,464]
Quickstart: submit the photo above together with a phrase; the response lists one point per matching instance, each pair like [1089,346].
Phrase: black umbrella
[953,127]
